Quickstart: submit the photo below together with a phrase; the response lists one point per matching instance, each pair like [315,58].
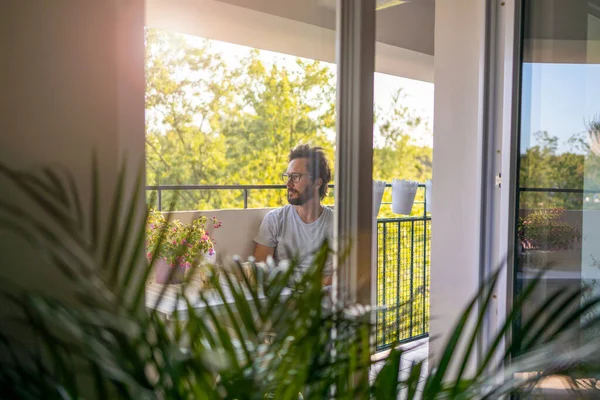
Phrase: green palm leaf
[273,336]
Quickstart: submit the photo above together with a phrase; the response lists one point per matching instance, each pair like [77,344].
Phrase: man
[301,226]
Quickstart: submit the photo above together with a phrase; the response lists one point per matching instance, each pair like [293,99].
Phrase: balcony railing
[402,279]
[402,265]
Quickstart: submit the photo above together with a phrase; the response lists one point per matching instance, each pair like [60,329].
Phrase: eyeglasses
[294,177]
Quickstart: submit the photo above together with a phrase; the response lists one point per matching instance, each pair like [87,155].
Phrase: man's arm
[261,252]
[266,239]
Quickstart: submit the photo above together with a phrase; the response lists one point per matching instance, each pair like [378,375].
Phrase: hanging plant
[593,128]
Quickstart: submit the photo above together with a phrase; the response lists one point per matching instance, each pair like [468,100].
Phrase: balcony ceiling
[304,28]
[409,25]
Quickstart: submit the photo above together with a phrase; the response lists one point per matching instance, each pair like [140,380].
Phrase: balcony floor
[415,351]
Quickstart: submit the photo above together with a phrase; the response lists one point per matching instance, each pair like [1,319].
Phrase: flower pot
[378,189]
[167,275]
[556,260]
[428,195]
[403,196]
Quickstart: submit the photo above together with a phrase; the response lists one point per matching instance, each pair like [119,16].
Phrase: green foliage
[211,120]
[542,166]
[544,229]
[593,125]
[277,338]
[178,243]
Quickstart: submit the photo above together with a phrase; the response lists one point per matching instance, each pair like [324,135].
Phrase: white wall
[456,195]
[72,81]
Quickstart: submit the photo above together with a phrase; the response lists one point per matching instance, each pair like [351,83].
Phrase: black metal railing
[159,189]
[402,279]
[402,265]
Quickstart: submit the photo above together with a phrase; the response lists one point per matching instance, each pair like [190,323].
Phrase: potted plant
[177,246]
[593,128]
[546,230]
[548,240]
[108,346]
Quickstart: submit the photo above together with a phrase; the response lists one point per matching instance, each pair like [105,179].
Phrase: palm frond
[270,334]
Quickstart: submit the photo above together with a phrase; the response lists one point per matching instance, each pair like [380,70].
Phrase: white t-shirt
[284,230]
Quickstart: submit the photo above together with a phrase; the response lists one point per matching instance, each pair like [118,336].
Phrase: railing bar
[159,200]
[404,219]
[557,190]
[403,341]
[424,203]
[384,226]
[377,323]
[415,202]
[412,259]
[423,290]
[245,198]
[213,187]
[398,269]
[227,187]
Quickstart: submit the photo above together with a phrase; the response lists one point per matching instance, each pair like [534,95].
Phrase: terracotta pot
[167,275]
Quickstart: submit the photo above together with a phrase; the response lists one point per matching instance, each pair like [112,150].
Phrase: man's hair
[318,165]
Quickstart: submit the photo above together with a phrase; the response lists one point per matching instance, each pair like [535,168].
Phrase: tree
[541,166]
[187,88]
[400,157]
[211,120]
[282,108]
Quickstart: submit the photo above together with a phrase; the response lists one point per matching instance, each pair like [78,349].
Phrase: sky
[418,94]
[559,99]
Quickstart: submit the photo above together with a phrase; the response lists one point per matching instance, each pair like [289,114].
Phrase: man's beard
[302,197]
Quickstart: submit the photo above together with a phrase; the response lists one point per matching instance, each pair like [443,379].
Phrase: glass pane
[231,90]
[558,227]
[223,113]
[402,150]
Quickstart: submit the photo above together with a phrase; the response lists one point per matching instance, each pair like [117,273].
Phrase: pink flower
[149,255]
[204,238]
[175,242]
[211,251]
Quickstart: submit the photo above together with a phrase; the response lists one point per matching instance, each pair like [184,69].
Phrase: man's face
[302,191]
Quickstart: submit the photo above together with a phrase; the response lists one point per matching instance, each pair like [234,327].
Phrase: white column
[457,170]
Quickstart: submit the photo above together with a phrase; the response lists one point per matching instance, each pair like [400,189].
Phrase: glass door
[558,184]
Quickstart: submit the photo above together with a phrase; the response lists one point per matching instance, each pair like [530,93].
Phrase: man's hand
[262,252]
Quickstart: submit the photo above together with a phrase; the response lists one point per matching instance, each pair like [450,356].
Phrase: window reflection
[558,192]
